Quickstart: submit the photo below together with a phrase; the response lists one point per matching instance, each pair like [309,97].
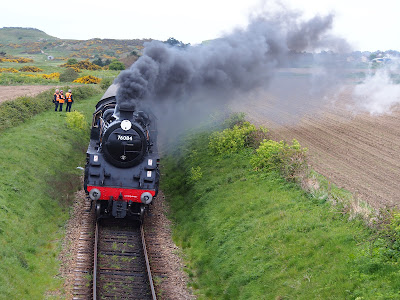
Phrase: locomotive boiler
[121,172]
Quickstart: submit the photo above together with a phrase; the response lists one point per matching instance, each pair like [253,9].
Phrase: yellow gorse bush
[30,69]
[77,70]
[24,60]
[51,76]
[105,56]
[87,65]
[9,70]
[19,60]
[88,79]
[83,64]
[45,76]
[8,60]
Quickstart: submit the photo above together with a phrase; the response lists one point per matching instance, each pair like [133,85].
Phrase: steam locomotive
[122,161]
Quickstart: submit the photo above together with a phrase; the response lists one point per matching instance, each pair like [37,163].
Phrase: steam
[180,83]
[378,94]
[239,62]
[313,35]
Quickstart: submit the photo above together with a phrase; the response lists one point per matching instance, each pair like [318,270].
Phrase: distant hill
[32,42]
[19,35]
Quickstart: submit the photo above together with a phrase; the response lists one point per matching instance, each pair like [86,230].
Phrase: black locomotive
[121,172]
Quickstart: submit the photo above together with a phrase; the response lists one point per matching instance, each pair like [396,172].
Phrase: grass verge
[253,235]
[38,176]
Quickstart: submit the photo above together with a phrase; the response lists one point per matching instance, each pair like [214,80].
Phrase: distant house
[382,60]
[50,57]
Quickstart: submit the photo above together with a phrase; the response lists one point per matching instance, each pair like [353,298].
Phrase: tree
[98,62]
[174,42]
[116,65]
[68,75]
[72,61]
[372,56]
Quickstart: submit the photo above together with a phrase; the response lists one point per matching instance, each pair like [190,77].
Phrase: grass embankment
[38,176]
[252,235]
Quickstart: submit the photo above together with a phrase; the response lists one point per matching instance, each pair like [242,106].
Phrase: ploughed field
[356,151]
[12,92]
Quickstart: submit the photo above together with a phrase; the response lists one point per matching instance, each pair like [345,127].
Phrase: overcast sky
[367,25]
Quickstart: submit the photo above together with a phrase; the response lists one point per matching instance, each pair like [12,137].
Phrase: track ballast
[120,267]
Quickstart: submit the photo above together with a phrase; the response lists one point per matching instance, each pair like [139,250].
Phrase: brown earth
[12,92]
[358,152]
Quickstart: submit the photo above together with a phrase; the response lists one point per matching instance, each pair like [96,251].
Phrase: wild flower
[89,79]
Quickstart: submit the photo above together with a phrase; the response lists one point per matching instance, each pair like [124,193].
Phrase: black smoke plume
[220,69]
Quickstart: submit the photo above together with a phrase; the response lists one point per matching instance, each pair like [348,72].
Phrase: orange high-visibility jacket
[56,97]
[61,98]
[68,96]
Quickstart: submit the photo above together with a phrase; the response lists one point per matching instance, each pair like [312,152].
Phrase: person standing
[56,99]
[61,100]
[69,99]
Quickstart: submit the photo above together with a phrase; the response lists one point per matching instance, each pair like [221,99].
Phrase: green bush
[234,119]
[68,75]
[195,174]
[232,140]
[98,61]
[116,65]
[106,82]
[72,61]
[289,160]
[387,236]
[83,92]
[76,121]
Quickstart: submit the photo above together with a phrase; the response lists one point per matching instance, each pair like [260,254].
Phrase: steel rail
[146,257]
[96,238]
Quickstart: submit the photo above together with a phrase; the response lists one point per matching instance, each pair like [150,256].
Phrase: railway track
[111,260]
[121,266]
